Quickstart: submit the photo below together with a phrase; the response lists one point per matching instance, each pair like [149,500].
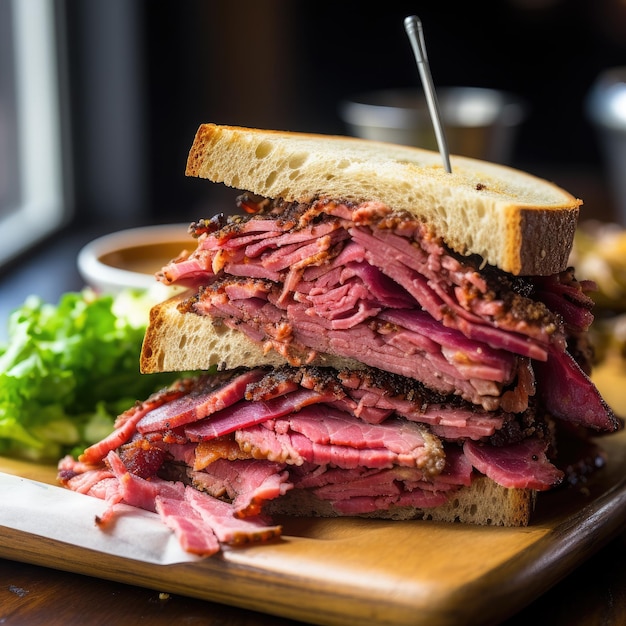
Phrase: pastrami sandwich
[382,338]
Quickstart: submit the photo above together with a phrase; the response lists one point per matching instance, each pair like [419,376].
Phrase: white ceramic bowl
[128,259]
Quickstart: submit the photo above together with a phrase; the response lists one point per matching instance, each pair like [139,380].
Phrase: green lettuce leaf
[67,370]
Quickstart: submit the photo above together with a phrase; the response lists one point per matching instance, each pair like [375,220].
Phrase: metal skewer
[413,27]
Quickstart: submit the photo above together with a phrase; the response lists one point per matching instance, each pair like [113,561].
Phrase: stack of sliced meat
[208,453]
[366,284]
[464,371]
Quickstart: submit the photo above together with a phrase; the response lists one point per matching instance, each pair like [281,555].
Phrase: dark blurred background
[137,77]
[145,74]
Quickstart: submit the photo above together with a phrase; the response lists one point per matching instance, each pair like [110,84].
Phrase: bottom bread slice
[483,503]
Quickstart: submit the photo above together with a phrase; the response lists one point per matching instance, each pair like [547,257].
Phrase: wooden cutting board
[351,571]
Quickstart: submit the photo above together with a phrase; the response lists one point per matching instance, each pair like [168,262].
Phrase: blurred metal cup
[606,107]
[478,122]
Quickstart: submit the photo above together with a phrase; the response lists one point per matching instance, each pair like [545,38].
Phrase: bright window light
[32,167]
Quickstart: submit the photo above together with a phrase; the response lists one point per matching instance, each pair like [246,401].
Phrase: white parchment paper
[64,515]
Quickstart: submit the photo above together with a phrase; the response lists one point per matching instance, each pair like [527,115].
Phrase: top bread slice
[515,221]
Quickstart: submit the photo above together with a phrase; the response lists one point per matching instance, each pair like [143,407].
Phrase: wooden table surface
[30,595]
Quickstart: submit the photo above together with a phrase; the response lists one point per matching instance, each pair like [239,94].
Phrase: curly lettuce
[67,370]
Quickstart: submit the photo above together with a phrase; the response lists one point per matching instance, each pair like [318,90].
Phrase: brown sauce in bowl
[144,259]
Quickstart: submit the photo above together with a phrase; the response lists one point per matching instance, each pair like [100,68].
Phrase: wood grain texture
[38,596]
[351,571]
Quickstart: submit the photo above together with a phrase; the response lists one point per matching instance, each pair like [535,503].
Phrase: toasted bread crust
[518,222]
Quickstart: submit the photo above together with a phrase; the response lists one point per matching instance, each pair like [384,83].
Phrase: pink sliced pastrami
[193,534]
[199,403]
[248,483]
[248,414]
[323,436]
[570,394]
[360,282]
[270,433]
[221,518]
[519,466]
